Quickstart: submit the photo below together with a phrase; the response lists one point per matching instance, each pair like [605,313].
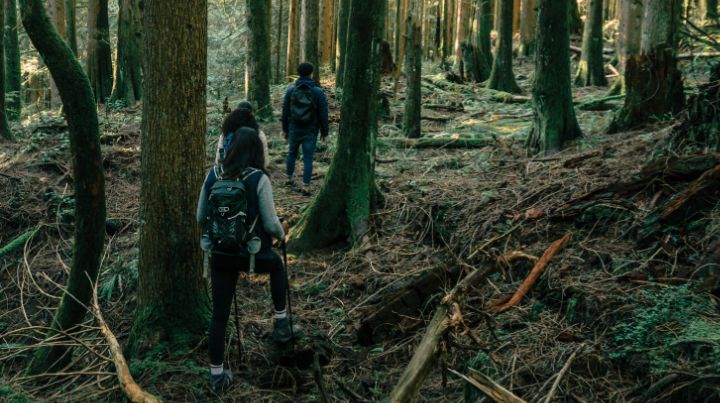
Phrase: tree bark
[628,42]
[99,55]
[483,50]
[591,70]
[501,76]
[461,28]
[448,24]
[278,41]
[70,24]
[88,179]
[56,12]
[13,78]
[710,12]
[309,38]
[554,122]
[5,131]
[327,11]
[413,71]
[575,24]
[342,41]
[293,44]
[341,210]
[128,80]
[528,26]
[653,82]
[258,63]
[172,302]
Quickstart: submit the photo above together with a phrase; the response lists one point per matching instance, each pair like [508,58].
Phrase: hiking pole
[237,331]
[287,288]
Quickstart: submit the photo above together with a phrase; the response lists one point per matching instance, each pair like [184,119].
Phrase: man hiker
[304,114]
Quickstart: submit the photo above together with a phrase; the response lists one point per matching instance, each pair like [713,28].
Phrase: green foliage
[8,394]
[669,325]
[482,363]
[118,278]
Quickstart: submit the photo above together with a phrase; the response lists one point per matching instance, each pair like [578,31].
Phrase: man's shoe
[218,383]
[305,191]
[281,330]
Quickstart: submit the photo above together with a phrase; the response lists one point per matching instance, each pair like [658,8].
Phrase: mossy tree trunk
[591,70]
[342,41]
[628,42]
[501,76]
[484,23]
[99,55]
[127,86]
[554,122]
[13,78]
[172,305]
[258,62]
[70,24]
[341,210]
[88,179]
[413,70]
[5,131]
[293,43]
[309,38]
[528,25]
[653,83]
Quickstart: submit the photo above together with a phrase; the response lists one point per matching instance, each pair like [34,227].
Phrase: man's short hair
[305,69]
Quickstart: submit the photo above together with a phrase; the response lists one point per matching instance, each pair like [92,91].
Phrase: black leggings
[224,271]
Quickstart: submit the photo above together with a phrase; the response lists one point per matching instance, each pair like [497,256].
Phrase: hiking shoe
[281,330]
[305,191]
[218,383]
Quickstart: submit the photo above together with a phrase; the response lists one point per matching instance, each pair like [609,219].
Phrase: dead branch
[673,210]
[551,251]
[17,242]
[560,375]
[489,387]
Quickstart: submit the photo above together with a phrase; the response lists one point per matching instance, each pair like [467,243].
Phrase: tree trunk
[448,19]
[710,15]
[554,123]
[575,24]
[128,57]
[258,65]
[172,301]
[309,38]
[341,210]
[502,77]
[628,42]
[342,41]
[462,9]
[278,42]
[516,16]
[88,180]
[5,131]
[13,77]
[99,55]
[653,82]
[528,24]
[56,12]
[327,11]
[293,43]
[413,71]
[70,24]
[479,51]
[591,70]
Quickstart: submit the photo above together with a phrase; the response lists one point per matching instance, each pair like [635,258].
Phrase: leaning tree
[88,181]
[172,305]
[554,122]
[341,210]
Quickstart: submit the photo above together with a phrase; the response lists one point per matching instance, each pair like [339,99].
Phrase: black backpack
[302,104]
[227,221]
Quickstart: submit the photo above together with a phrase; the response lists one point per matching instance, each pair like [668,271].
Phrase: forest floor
[625,311]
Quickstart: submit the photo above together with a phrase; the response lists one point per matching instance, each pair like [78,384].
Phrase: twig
[488,242]
[353,395]
[560,375]
[491,388]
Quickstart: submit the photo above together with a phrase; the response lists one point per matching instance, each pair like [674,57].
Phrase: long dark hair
[245,151]
[238,118]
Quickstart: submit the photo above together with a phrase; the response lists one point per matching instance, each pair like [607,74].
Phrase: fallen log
[446,316]
[551,251]
[17,242]
[598,104]
[689,199]
[130,388]
[489,387]
[436,142]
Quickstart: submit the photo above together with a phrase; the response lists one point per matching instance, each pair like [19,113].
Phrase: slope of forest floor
[626,311]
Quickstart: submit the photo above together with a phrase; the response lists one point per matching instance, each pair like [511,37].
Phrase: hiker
[242,116]
[242,168]
[304,114]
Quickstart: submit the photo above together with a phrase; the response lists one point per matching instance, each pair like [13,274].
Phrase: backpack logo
[227,221]
[302,104]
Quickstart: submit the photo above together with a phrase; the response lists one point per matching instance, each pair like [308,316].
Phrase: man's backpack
[302,104]
[227,221]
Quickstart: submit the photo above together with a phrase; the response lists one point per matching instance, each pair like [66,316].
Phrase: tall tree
[258,63]
[652,80]
[327,16]
[591,69]
[70,24]
[628,42]
[528,24]
[56,12]
[483,59]
[293,43]
[502,77]
[342,41]
[461,28]
[127,85]
[575,24]
[172,303]
[554,122]
[309,38]
[5,131]
[278,41]
[341,210]
[448,31]
[99,55]
[88,180]
[710,12]
[413,70]
[13,79]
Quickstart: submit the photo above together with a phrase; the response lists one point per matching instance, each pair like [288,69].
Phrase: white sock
[280,314]
[216,369]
